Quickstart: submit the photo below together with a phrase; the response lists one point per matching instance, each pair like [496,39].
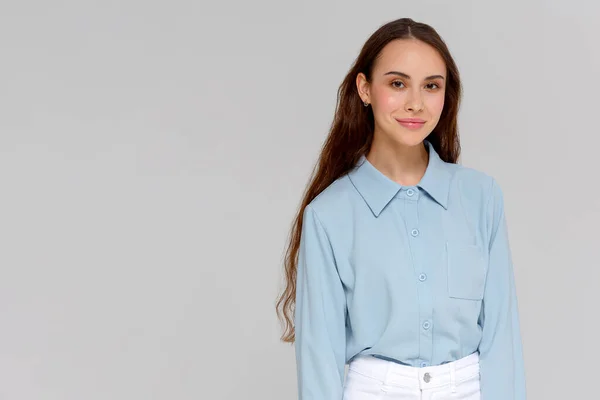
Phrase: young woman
[399,263]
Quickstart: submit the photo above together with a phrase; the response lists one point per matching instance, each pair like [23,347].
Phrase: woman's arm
[320,316]
[501,355]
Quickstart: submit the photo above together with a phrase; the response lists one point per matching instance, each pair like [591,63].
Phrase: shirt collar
[378,190]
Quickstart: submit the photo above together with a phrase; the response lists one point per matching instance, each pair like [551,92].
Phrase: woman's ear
[362,85]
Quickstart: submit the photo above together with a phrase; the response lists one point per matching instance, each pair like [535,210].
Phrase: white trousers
[371,378]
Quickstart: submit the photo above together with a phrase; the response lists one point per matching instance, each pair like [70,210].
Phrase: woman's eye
[434,84]
[397,84]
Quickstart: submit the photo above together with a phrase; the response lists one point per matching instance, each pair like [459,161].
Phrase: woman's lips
[411,123]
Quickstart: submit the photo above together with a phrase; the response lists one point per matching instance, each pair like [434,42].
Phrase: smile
[411,123]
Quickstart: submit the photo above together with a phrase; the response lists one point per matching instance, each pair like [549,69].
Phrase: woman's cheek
[392,101]
[437,105]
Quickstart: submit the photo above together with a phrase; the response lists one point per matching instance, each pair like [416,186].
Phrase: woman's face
[408,82]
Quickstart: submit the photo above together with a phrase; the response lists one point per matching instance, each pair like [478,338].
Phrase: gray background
[153,154]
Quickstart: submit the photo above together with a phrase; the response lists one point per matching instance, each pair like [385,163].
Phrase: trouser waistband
[394,374]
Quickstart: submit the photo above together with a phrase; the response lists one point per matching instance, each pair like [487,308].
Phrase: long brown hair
[351,135]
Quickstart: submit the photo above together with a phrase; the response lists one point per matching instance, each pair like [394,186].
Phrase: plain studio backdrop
[153,155]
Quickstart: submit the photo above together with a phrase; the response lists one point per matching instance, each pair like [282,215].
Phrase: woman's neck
[405,165]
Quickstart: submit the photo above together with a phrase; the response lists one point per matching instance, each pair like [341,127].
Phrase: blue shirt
[421,275]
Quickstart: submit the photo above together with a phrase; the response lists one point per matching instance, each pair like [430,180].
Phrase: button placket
[412,204]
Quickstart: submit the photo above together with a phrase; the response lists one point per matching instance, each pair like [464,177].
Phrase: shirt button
[422,277]
[414,232]
[410,192]
[423,364]
[426,325]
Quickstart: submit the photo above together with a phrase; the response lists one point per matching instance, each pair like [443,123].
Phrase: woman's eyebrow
[403,75]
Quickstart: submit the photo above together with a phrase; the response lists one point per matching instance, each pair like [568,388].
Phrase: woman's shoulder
[334,199]
[471,175]
[475,183]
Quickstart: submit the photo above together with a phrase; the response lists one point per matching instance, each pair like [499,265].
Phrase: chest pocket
[466,271]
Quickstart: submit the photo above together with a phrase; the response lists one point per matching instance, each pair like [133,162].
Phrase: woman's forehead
[412,57]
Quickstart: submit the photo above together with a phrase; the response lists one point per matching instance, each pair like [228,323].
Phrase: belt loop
[386,377]
[453,377]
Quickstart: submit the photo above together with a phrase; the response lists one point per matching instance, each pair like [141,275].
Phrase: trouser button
[426,377]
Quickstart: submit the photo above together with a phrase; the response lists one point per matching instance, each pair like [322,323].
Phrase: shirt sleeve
[320,316]
[501,355]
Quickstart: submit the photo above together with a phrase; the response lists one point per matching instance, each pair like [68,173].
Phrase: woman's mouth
[411,123]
